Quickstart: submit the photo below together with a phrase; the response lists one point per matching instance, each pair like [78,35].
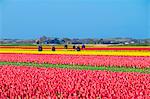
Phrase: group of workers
[77,48]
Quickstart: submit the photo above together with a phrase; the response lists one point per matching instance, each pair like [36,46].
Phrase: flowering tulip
[49,83]
[93,60]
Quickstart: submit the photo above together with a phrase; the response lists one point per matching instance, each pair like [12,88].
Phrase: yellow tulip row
[114,53]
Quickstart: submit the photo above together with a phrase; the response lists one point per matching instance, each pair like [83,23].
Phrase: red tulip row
[47,83]
[126,61]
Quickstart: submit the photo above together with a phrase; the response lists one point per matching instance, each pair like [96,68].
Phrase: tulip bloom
[93,60]
[49,83]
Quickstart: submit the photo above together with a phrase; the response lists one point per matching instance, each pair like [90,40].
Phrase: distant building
[126,43]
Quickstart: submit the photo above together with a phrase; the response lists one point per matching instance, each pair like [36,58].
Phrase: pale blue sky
[75,18]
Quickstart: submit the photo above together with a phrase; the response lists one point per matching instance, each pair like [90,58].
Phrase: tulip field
[119,61]
[38,83]
[92,73]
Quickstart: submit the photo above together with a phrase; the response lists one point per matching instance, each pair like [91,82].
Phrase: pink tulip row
[126,61]
[47,83]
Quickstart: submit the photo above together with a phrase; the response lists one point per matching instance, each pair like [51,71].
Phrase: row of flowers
[129,48]
[119,61]
[82,52]
[47,83]
[88,48]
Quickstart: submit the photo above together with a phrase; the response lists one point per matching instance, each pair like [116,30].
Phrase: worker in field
[83,46]
[78,48]
[66,46]
[74,47]
[40,48]
[53,48]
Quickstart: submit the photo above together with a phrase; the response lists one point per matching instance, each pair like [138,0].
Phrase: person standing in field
[74,47]
[66,46]
[53,48]
[40,48]
[83,46]
[78,48]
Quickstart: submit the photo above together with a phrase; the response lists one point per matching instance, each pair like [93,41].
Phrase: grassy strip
[114,69]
